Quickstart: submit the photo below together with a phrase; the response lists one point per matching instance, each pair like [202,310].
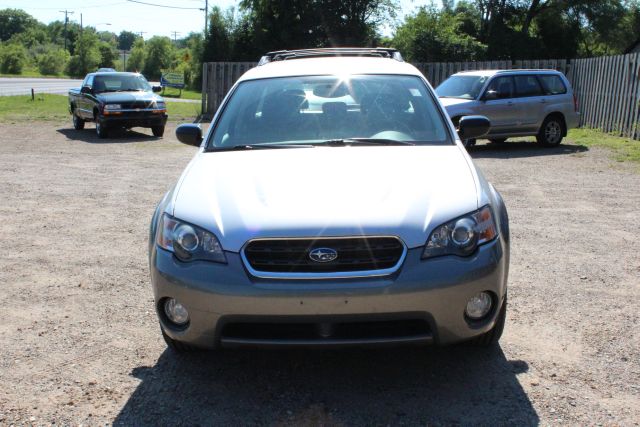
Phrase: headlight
[160,105]
[462,235]
[111,107]
[187,241]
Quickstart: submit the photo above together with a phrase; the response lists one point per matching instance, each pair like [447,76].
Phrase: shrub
[12,59]
[52,62]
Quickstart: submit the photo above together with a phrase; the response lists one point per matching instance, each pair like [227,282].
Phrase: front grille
[136,104]
[354,254]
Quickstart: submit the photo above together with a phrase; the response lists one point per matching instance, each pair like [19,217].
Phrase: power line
[163,5]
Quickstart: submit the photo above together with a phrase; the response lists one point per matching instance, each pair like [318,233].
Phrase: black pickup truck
[117,100]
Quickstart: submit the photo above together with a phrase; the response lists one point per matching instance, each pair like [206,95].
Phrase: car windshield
[120,83]
[329,110]
[465,87]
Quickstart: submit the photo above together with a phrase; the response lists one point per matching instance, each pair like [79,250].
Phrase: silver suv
[517,102]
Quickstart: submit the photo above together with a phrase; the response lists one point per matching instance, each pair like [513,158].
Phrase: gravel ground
[80,341]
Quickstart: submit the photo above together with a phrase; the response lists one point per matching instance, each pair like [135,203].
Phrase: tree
[434,36]
[12,58]
[126,40]
[87,55]
[159,56]
[108,55]
[52,61]
[14,21]
[136,60]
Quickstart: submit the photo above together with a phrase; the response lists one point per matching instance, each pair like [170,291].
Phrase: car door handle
[543,101]
[510,103]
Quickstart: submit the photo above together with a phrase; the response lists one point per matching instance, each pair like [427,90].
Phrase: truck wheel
[78,123]
[157,131]
[101,130]
[491,338]
[551,132]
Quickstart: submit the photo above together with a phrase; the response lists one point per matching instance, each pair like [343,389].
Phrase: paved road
[22,86]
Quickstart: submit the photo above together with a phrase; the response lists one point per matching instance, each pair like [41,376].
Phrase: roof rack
[284,55]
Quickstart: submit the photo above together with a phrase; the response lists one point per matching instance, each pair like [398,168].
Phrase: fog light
[176,312]
[478,306]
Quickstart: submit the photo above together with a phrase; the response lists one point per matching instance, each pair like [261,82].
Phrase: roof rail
[284,55]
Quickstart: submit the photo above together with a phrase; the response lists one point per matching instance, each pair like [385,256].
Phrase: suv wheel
[78,123]
[491,338]
[551,132]
[101,130]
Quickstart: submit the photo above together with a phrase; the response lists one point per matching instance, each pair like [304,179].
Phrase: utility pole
[141,34]
[66,21]
[206,17]
[175,33]
[81,23]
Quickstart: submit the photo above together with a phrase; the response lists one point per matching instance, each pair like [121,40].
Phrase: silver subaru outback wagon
[331,203]
[538,103]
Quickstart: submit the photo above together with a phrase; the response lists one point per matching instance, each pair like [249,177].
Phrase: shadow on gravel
[455,385]
[116,136]
[517,149]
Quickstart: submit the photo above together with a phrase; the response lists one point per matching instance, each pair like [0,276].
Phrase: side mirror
[189,134]
[85,89]
[471,127]
[157,88]
[491,95]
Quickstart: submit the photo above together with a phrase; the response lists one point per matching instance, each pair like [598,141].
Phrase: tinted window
[120,83]
[318,108]
[553,85]
[466,87]
[528,85]
[503,87]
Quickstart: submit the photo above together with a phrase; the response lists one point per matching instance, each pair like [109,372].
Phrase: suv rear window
[528,85]
[553,85]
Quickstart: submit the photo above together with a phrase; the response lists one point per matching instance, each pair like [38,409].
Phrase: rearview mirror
[157,88]
[491,95]
[189,134]
[470,127]
[85,89]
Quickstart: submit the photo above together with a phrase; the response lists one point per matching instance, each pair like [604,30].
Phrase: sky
[126,15]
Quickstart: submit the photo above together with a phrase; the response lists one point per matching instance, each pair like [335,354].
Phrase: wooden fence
[608,88]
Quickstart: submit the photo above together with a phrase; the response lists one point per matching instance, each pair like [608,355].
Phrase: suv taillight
[575,102]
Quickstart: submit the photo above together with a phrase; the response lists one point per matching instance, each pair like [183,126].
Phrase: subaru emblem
[323,254]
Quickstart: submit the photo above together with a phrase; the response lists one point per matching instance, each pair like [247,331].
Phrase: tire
[157,131]
[101,130]
[498,141]
[177,346]
[78,123]
[551,132]
[492,337]
[468,143]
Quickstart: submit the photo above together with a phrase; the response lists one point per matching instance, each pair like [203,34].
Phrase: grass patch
[56,108]
[186,94]
[622,149]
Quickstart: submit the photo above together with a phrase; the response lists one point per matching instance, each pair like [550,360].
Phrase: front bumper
[142,119]
[434,290]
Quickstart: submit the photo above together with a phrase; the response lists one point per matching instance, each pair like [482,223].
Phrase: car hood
[448,102]
[127,97]
[341,191]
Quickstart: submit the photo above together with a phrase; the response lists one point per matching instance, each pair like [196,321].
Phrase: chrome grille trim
[323,275]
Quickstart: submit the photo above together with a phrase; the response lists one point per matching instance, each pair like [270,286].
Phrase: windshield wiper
[259,147]
[362,141]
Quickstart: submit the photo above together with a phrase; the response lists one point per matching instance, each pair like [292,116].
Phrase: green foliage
[135,61]
[159,56]
[15,21]
[108,55]
[53,61]
[126,40]
[433,35]
[87,55]
[13,58]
